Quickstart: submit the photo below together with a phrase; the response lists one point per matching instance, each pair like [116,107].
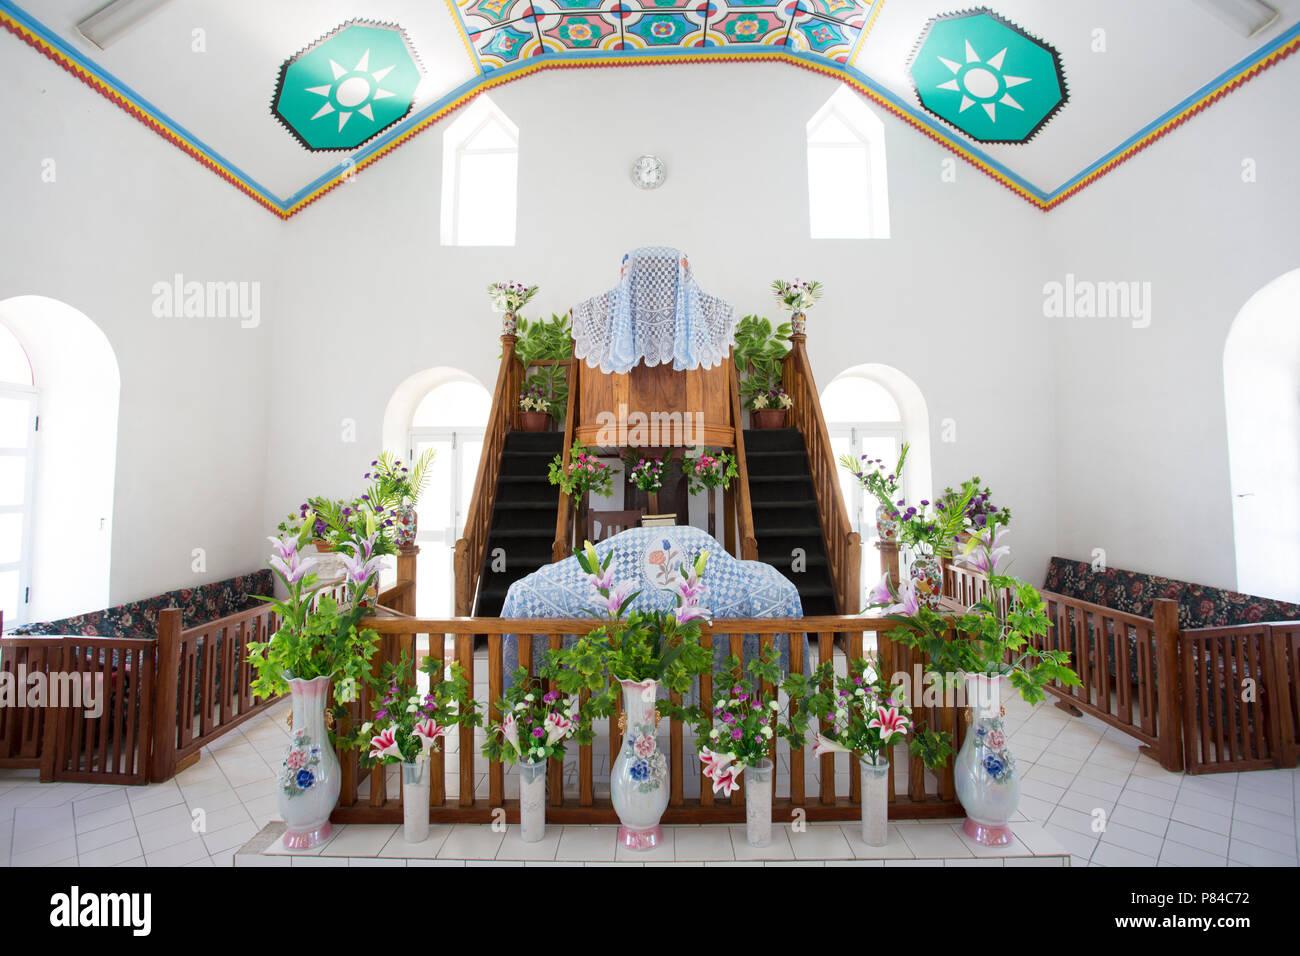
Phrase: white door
[18,424]
[875,440]
[442,511]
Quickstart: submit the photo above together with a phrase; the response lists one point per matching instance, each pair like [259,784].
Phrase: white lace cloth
[656,314]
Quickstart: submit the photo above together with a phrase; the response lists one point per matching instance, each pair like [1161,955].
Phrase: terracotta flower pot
[768,417]
[535,421]
[324,547]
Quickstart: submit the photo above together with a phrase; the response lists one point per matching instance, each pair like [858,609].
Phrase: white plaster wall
[127,210]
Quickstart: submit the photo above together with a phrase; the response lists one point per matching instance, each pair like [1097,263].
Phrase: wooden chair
[611,523]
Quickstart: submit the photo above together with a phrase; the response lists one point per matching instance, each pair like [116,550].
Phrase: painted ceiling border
[40,38]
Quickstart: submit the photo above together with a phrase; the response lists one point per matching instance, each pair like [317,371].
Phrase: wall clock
[649,172]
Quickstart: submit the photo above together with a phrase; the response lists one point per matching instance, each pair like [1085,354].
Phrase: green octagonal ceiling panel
[987,77]
[348,86]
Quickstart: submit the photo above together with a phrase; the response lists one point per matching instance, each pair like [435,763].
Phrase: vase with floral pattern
[309,781]
[985,770]
[927,580]
[886,527]
[798,323]
[404,533]
[509,323]
[638,785]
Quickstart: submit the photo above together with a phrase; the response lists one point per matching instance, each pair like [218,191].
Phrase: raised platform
[911,843]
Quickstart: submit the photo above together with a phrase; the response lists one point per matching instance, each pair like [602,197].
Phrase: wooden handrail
[843,544]
[563,543]
[745,512]
[468,559]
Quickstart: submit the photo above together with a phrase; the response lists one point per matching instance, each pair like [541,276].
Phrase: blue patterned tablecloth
[650,558]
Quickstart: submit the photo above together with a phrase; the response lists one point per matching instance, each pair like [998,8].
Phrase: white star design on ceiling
[355,94]
[981,82]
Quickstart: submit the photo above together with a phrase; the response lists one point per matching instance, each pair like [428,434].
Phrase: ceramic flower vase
[404,533]
[415,800]
[927,580]
[509,323]
[758,803]
[308,784]
[638,785]
[886,527]
[798,323]
[985,770]
[532,800]
[874,778]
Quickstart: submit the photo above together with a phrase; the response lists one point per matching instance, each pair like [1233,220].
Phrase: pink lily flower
[286,547]
[384,744]
[691,612]
[294,569]
[824,745]
[429,733]
[557,727]
[908,601]
[881,594]
[728,781]
[360,569]
[510,731]
[616,596]
[602,580]
[890,722]
[983,555]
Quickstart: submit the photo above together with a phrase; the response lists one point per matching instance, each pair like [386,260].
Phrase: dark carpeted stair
[523,517]
[785,514]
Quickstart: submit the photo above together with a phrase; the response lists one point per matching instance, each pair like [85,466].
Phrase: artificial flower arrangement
[709,470]
[746,719]
[406,725]
[931,530]
[393,484]
[992,637]
[586,473]
[866,715]
[774,398]
[636,646]
[534,395]
[646,473]
[534,724]
[316,638]
[876,477]
[797,296]
[510,296]
[342,525]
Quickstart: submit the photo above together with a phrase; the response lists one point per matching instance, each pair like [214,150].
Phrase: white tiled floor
[1087,784]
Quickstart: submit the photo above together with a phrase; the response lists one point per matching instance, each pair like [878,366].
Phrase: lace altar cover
[656,314]
[650,559]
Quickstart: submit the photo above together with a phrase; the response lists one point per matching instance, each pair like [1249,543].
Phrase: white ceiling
[1158,52]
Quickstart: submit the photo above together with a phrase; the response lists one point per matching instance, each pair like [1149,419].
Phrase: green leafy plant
[393,484]
[546,389]
[705,470]
[934,747]
[585,473]
[759,351]
[534,723]
[931,529]
[543,340]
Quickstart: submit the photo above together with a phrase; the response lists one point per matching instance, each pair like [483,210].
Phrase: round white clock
[648,172]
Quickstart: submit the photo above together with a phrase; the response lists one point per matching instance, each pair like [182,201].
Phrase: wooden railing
[468,559]
[456,795]
[739,514]
[843,544]
[562,546]
[27,733]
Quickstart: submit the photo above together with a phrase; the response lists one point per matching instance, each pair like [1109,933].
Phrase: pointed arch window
[480,173]
[848,190]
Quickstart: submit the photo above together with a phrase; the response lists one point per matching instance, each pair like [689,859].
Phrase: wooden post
[889,557]
[163,761]
[1169,729]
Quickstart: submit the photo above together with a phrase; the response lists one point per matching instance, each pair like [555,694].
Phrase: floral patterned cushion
[1135,593]
[198,605]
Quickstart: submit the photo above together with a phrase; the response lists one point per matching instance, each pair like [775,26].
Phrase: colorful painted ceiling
[502,32]
[987,84]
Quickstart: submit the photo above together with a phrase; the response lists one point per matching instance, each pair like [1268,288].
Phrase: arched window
[57,471]
[848,189]
[446,410]
[480,172]
[1261,378]
[872,410]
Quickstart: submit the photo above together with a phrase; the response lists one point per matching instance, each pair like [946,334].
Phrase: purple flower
[736,734]
[538,732]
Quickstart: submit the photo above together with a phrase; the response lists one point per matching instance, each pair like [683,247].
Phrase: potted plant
[759,351]
[883,485]
[797,298]
[532,729]
[741,732]
[396,490]
[316,643]
[586,473]
[706,471]
[642,651]
[647,474]
[545,390]
[979,650]
[508,298]
[407,726]
[535,403]
[866,717]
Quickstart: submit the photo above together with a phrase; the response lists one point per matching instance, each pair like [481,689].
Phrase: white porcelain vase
[988,785]
[638,785]
[309,780]
[874,778]
[758,803]
[532,801]
[415,800]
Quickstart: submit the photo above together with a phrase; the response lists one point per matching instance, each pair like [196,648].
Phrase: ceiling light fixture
[107,24]
[1247,17]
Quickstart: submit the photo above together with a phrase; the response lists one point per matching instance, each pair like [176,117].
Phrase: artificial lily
[908,601]
[824,745]
[982,555]
[890,722]
[429,733]
[616,595]
[293,568]
[510,731]
[691,612]
[384,744]
[557,727]
[881,593]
